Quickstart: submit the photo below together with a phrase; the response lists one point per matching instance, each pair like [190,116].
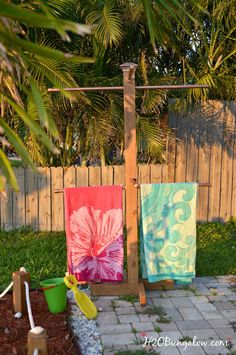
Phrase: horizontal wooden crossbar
[98,88]
[202,184]
[118,88]
[114,289]
[171,87]
[124,288]
[119,289]
[161,285]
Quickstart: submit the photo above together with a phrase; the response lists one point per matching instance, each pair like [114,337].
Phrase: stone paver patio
[203,315]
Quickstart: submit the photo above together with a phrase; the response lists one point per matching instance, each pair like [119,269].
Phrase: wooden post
[130,170]
[37,341]
[19,299]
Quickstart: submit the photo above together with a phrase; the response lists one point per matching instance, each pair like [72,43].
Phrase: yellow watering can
[83,301]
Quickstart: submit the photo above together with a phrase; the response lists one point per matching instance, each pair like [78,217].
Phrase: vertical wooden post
[37,341]
[19,299]
[130,170]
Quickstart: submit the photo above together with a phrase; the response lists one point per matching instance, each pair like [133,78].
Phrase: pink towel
[94,233]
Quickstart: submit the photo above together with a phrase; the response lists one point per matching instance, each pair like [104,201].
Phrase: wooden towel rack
[133,285]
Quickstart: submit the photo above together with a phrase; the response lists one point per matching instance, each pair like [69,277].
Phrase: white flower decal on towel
[96,244]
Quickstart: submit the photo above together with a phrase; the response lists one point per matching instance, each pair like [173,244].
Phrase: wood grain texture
[204,155]
[37,341]
[156,173]
[95,178]
[144,176]
[233,195]
[18,200]
[44,199]
[69,177]
[216,161]
[19,298]
[31,199]
[57,199]
[171,147]
[130,174]
[114,289]
[107,175]
[227,162]
[119,179]
[161,285]
[181,147]
[6,202]
[192,127]
[81,176]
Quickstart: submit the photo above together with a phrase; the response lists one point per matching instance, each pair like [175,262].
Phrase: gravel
[85,331]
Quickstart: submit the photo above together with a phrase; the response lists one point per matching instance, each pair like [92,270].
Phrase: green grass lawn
[43,254]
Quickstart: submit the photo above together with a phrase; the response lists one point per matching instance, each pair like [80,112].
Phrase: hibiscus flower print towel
[94,233]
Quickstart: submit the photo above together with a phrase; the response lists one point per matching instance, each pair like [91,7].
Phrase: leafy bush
[216,248]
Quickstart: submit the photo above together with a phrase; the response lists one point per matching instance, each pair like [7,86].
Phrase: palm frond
[30,18]
[152,140]
[107,25]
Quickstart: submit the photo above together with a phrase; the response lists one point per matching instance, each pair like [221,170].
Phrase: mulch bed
[13,332]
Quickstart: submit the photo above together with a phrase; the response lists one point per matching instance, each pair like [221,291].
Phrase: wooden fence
[205,151]
[38,206]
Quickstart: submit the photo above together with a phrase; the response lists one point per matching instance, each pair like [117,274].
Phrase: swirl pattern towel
[94,233]
[168,231]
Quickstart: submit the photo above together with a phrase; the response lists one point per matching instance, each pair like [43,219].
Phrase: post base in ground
[37,341]
[19,298]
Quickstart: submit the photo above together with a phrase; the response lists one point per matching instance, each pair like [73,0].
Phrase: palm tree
[205,54]
[117,36]
[159,37]
[172,43]
[20,73]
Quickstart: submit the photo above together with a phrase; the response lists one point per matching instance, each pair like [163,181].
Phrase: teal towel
[168,231]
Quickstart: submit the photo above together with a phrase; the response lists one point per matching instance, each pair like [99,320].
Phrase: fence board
[57,199]
[69,177]
[165,173]
[119,175]
[233,195]
[204,152]
[144,175]
[180,162]
[94,175]
[7,209]
[119,179]
[180,158]
[192,127]
[31,199]
[107,175]
[81,176]
[18,198]
[44,199]
[171,147]
[156,173]
[215,164]
[227,166]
